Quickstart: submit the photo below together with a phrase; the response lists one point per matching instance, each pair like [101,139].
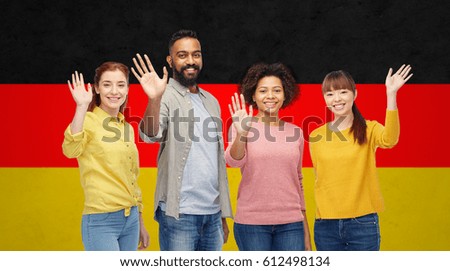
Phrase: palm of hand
[395,81]
[241,121]
[81,96]
[153,85]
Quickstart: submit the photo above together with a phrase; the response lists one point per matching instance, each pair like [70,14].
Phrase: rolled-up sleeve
[151,139]
[163,123]
[74,144]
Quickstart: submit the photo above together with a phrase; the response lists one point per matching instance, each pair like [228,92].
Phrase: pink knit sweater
[271,190]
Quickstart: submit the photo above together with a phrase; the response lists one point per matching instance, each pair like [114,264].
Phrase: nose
[190,60]
[337,97]
[114,89]
[270,94]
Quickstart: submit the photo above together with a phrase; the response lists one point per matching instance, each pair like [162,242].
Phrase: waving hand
[153,86]
[78,90]
[241,119]
[395,81]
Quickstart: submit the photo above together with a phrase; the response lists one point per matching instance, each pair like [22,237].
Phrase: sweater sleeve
[311,144]
[387,136]
[300,174]
[230,160]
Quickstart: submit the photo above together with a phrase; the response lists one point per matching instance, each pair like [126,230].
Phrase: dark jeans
[359,233]
[284,237]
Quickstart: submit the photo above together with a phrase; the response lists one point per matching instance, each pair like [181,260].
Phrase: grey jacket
[175,144]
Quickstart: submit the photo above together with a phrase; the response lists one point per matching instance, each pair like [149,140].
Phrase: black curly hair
[260,70]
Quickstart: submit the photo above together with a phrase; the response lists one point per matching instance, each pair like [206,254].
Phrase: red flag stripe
[37,114]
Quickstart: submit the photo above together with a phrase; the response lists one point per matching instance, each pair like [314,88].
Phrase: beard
[186,81]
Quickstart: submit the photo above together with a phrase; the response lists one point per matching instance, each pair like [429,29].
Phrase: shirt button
[184,158]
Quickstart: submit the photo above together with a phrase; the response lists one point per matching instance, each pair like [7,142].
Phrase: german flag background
[43,42]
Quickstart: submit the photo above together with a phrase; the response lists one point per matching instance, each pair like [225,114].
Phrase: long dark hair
[343,80]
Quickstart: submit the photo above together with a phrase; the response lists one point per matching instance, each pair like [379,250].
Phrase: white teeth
[338,106]
[270,105]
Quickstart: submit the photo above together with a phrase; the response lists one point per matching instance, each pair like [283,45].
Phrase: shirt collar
[182,89]
[103,115]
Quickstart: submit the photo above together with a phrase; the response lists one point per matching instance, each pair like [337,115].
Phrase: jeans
[190,232]
[354,234]
[111,231]
[284,237]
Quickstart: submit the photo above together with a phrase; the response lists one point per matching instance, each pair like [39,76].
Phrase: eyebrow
[264,86]
[186,52]
[109,81]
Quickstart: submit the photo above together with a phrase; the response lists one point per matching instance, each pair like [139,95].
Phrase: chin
[271,111]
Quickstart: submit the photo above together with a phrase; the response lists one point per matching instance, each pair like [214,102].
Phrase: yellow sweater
[346,183]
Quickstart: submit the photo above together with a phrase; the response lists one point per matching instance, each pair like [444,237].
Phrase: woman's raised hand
[78,90]
[153,86]
[395,81]
[242,120]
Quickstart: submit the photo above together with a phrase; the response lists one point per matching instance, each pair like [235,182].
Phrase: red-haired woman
[347,191]
[103,142]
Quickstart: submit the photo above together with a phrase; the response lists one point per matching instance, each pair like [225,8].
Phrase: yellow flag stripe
[41,208]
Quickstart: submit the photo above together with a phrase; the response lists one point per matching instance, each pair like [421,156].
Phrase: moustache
[196,67]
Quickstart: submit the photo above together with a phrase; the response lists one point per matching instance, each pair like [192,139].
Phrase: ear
[253,98]
[356,94]
[169,60]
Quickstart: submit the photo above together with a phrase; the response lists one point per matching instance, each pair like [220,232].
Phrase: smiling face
[269,95]
[339,92]
[186,61]
[113,91]
[340,101]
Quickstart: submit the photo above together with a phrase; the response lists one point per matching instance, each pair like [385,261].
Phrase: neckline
[343,130]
